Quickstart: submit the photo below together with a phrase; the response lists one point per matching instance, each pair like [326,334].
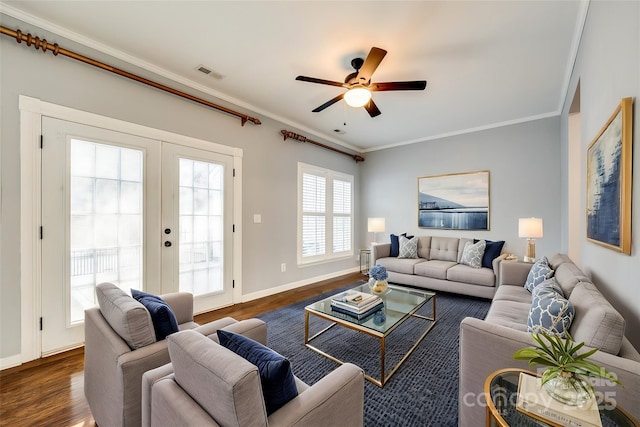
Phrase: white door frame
[31,112]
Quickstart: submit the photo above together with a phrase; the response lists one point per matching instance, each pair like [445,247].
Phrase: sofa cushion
[408,247]
[512,293]
[129,318]
[224,384]
[550,311]
[596,322]
[278,382]
[434,268]
[399,265]
[510,314]
[475,276]
[540,271]
[568,275]
[472,254]
[164,321]
[557,259]
[424,246]
[491,252]
[444,248]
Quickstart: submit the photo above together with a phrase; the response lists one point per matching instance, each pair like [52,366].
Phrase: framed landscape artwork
[609,182]
[455,201]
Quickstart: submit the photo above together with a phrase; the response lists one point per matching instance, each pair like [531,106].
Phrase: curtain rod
[288,134]
[55,49]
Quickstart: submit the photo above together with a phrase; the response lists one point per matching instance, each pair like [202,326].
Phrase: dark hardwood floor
[49,391]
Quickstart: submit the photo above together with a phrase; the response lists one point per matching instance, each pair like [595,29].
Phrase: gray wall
[524,165]
[269,164]
[608,69]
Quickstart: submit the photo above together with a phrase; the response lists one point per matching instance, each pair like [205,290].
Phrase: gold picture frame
[609,182]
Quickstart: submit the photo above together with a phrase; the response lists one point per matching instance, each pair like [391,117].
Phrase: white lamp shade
[357,97]
[530,228]
[375,225]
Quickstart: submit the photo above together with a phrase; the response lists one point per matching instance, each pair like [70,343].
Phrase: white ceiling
[487,63]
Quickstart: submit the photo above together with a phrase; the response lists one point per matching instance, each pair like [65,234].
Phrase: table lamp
[375,225]
[530,229]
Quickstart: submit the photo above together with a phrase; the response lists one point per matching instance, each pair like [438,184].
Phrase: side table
[501,388]
[365,259]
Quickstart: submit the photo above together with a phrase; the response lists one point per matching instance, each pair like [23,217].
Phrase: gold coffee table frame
[352,324]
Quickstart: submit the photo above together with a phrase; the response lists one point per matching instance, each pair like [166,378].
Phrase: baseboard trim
[10,362]
[294,285]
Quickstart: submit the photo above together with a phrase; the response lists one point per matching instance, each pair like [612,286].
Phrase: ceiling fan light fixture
[357,97]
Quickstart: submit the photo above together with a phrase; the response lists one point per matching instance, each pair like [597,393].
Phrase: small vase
[378,286]
[568,389]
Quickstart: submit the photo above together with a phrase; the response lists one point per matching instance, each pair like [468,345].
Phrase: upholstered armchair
[207,384]
[120,346]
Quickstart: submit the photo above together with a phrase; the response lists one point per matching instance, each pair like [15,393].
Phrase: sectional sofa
[436,266]
[488,345]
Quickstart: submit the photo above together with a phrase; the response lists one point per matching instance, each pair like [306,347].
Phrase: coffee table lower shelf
[335,321]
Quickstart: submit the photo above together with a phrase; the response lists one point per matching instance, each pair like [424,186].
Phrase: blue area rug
[424,390]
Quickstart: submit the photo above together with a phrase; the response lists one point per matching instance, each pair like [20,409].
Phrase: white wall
[608,69]
[269,163]
[524,165]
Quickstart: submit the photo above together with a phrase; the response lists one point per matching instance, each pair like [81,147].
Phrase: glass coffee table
[400,304]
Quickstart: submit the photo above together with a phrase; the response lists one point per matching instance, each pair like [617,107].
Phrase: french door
[138,212]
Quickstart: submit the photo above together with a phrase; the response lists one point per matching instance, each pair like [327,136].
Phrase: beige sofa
[438,267]
[208,385]
[120,346]
[488,345]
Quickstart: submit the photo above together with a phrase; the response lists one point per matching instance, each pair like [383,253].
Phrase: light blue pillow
[548,285]
[550,312]
[278,382]
[408,247]
[540,271]
[472,254]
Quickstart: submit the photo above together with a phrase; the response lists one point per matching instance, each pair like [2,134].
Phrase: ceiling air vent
[208,71]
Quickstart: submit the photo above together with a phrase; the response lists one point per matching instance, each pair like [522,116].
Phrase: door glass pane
[201,227]
[106,203]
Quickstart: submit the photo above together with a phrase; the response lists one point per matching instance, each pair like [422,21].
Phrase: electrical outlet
[283,267]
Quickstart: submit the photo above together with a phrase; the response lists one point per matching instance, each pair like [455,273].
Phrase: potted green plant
[565,379]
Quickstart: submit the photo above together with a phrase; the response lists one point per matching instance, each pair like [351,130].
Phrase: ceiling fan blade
[371,64]
[328,103]
[413,85]
[321,81]
[372,108]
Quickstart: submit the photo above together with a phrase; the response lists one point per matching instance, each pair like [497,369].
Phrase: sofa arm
[181,304]
[337,399]
[513,273]
[255,329]
[381,250]
[149,378]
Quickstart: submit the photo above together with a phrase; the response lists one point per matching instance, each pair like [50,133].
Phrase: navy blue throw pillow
[278,383]
[163,318]
[491,252]
[395,244]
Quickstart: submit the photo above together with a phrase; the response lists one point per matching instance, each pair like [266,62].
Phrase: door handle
[167,244]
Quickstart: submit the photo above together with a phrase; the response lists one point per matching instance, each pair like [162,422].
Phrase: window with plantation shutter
[325,214]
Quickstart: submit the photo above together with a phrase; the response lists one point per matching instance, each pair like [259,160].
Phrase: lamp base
[529,259]
[531,251]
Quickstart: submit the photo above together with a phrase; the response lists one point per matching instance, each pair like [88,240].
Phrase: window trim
[330,176]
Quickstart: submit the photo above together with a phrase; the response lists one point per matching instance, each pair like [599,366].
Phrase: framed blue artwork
[454,201]
[609,182]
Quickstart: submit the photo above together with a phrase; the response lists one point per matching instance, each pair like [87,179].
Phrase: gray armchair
[208,385]
[120,346]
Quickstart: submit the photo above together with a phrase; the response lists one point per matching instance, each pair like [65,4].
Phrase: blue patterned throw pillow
[540,271]
[550,312]
[472,254]
[394,250]
[548,285]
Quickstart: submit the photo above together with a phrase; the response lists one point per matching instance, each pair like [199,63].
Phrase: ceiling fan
[359,84]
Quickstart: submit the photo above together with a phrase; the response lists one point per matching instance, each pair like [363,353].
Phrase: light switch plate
[257,218]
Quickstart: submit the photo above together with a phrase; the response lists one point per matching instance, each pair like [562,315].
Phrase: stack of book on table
[356,304]
[535,402]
